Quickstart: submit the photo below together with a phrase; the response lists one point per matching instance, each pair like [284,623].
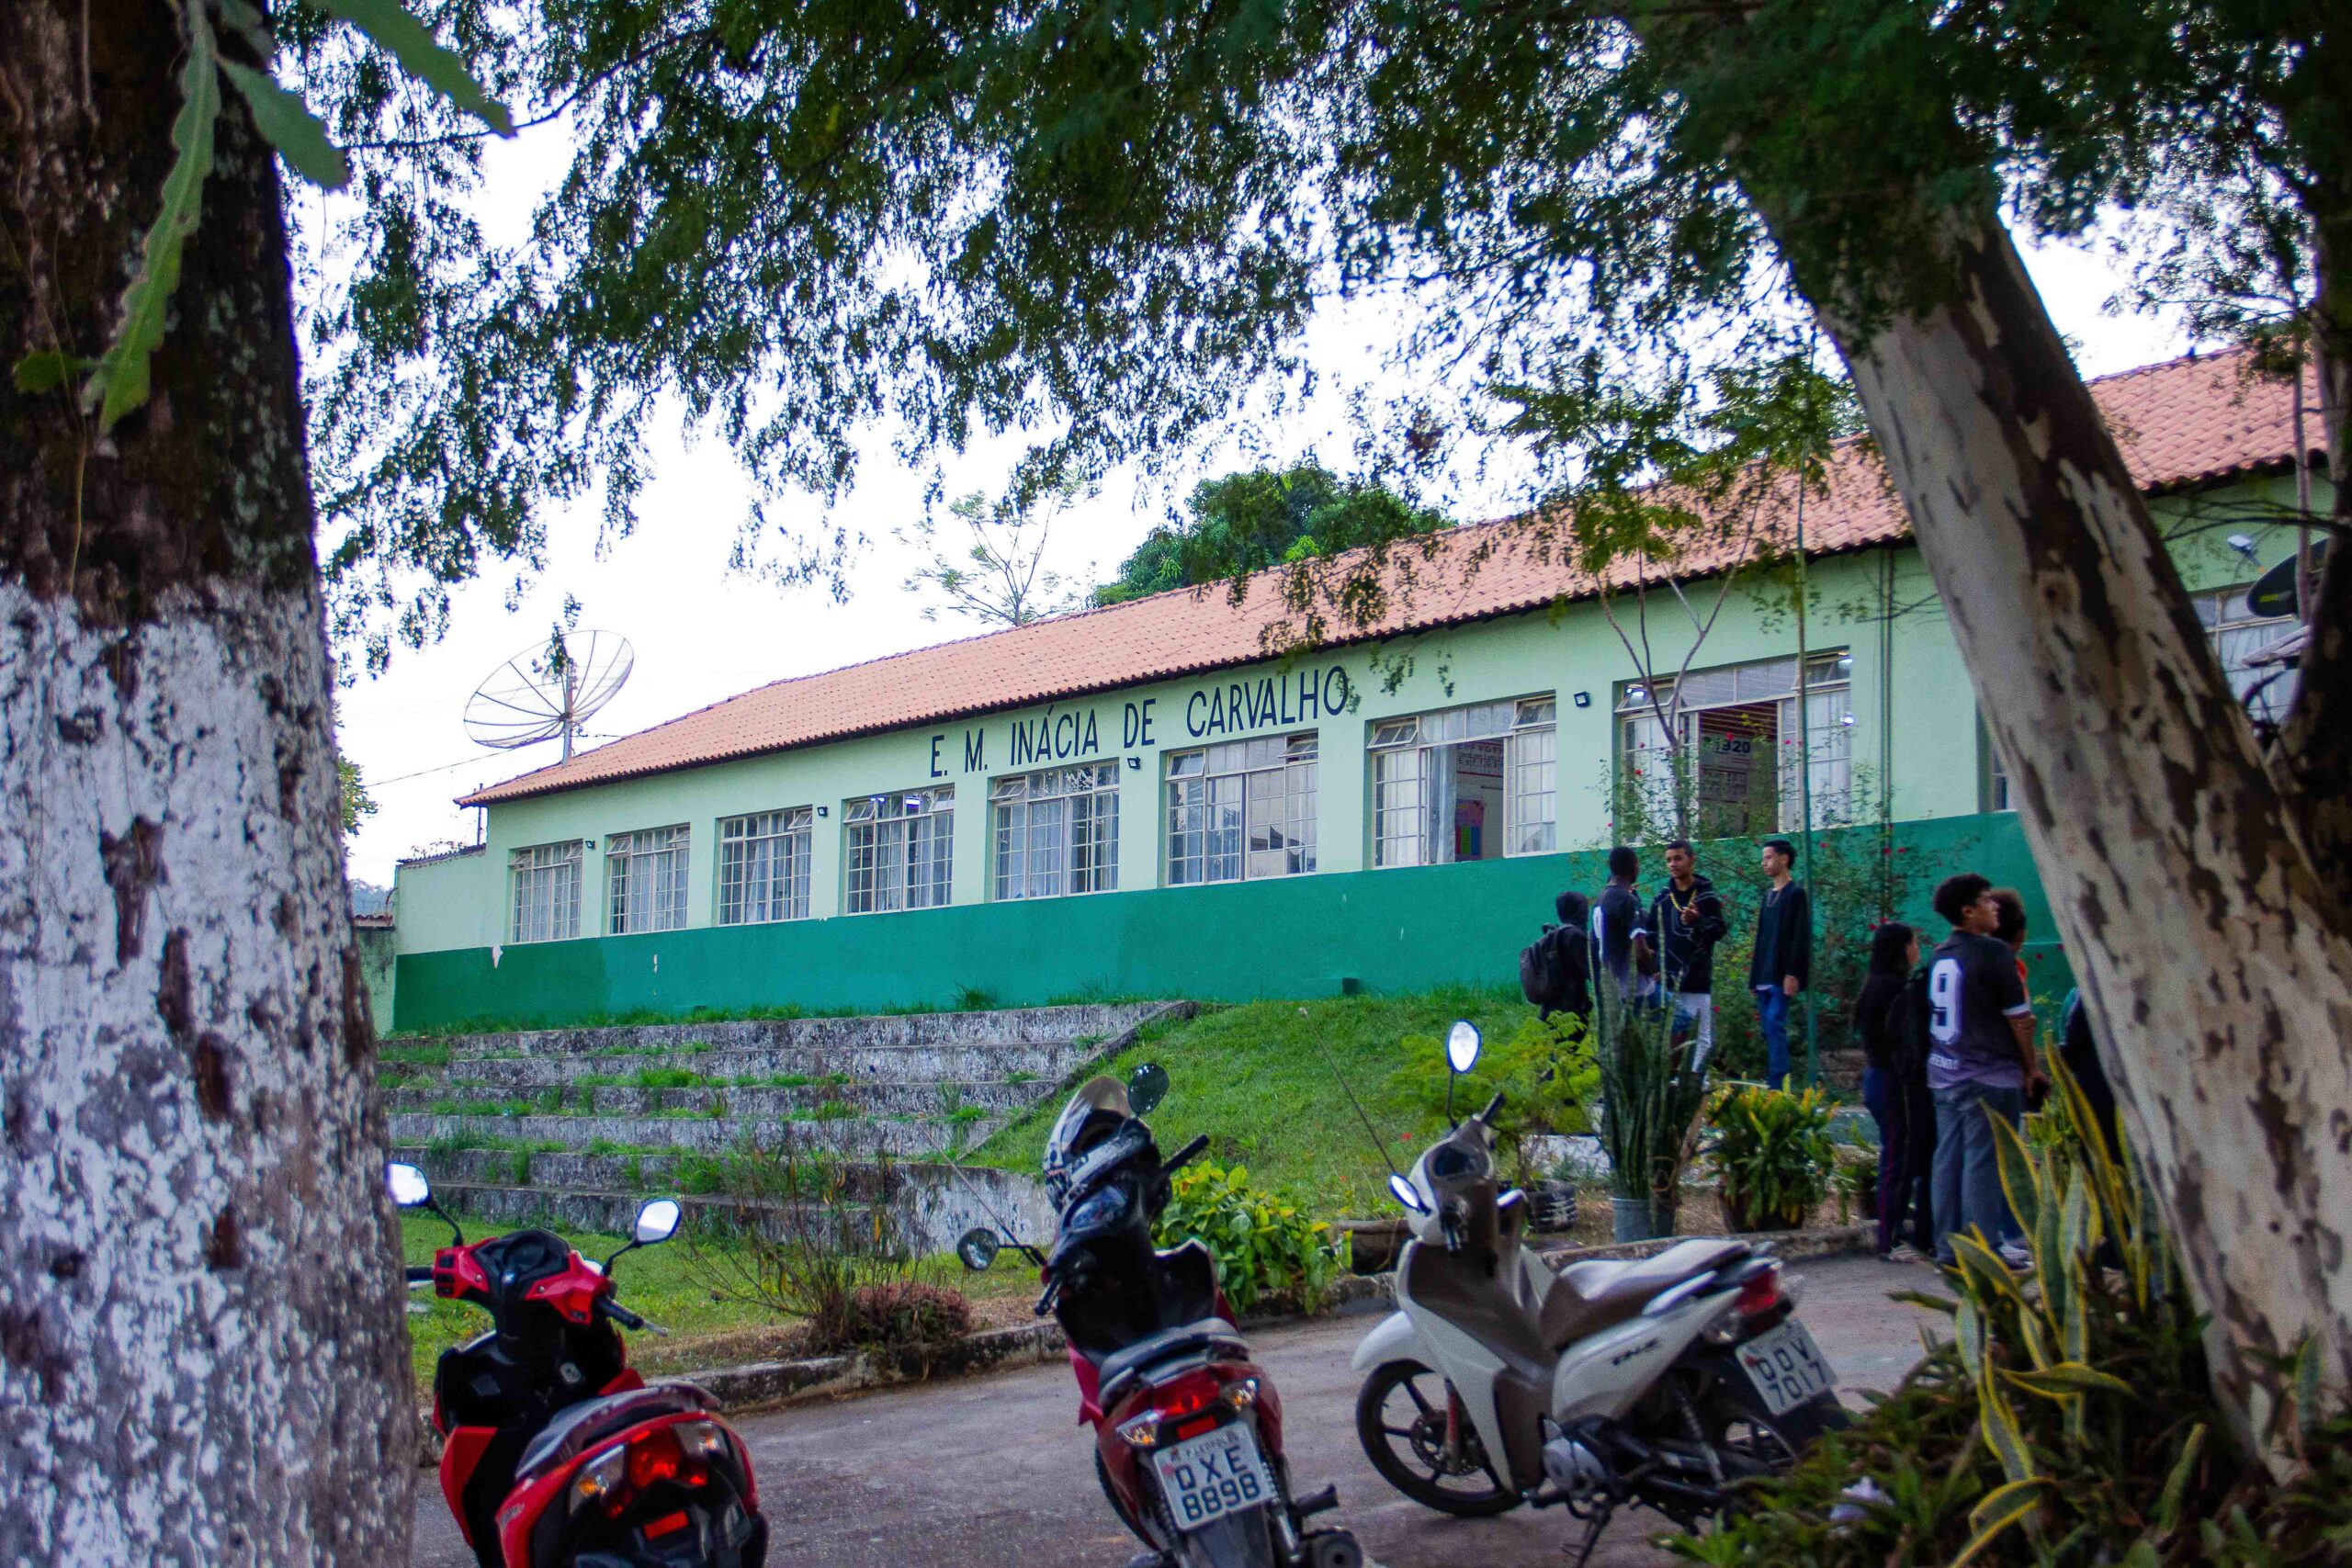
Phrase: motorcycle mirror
[657,1221]
[977,1247]
[407,1185]
[1462,1042]
[1147,1087]
[1405,1194]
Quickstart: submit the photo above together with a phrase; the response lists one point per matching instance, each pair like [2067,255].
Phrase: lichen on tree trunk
[203,1356]
[2215,956]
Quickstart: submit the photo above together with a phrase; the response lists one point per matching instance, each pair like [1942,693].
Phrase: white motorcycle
[1662,1383]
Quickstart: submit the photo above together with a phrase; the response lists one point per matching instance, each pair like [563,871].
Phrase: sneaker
[1902,1252]
[2017,1257]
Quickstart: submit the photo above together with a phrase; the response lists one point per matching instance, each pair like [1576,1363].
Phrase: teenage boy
[1980,1063]
[1782,962]
[1685,921]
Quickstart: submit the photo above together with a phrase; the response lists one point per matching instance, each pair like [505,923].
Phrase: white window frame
[1056,832]
[2236,632]
[1404,772]
[645,879]
[545,880]
[899,851]
[763,859]
[1829,699]
[1243,810]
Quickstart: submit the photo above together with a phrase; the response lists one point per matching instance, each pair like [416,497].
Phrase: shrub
[1532,1102]
[2070,1422]
[790,1237]
[1650,1097]
[1263,1246]
[907,1312]
[1771,1152]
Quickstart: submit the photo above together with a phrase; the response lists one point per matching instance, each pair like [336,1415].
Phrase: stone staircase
[579,1126]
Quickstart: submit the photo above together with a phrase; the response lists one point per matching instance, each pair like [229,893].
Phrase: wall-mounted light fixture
[1135,765]
[824,811]
[1584,699]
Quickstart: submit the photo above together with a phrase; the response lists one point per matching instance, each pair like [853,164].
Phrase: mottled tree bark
[2214,952]
[203,1357]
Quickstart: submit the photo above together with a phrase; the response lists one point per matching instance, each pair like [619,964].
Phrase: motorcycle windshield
[1095,1094]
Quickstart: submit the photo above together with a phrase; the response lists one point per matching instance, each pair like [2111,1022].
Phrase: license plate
[1786,1367]
[1214,1474]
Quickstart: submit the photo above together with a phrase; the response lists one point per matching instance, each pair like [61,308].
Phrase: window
[901,848]
[2267,690]
[1467,784]
[1242,810]
[547,892]
[645,880]
[2238,634]
[763,867]
[1058,831]
[1727,746]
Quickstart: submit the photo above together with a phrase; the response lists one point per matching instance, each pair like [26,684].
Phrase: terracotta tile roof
[2182,423]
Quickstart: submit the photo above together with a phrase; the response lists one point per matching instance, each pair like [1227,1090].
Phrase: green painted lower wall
[1382,930]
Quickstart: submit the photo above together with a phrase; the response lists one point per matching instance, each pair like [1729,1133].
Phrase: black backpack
[1551,971]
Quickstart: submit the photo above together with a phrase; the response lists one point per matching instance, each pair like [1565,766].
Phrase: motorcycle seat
[579,1427]
[1590,1296]
[1211,1334]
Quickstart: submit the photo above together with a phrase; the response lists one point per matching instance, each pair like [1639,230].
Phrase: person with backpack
[1555,969]
[1981,1064]
[1895,953]
[1684,923]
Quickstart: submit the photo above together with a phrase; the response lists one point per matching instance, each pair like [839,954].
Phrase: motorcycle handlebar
[1487,1115]
[619,1314]
[1186,1155]
[420,1273]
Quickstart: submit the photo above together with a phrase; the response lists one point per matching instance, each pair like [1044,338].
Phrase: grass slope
[1258,1079]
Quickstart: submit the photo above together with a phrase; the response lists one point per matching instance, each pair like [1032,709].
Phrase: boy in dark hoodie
[1683,926]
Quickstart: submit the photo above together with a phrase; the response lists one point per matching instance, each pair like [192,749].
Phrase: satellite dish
[549,691]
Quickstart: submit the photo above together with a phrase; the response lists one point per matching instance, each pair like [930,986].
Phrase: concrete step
[1008,1026]
[848,1136]
[866,1099]
[1048,1062]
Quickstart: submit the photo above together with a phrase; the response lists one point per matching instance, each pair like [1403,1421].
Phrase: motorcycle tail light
[668,1524]
[1759,1295]
[1240,1395]
[653,1458]
[1142,1432]
[600,1477]
[700,1440]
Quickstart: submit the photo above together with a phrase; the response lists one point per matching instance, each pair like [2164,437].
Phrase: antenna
[550,691]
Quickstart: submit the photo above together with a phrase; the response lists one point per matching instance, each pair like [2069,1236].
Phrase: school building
[1145,800]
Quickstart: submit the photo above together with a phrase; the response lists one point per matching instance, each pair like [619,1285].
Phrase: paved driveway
[995,1470]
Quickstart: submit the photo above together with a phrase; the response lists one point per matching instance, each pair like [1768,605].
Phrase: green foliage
[2068,1422]
[1772,1153]
[1543,1069]
[1650,1097]
[357,803]
[999,576]
[906,1314]
[1265,1247]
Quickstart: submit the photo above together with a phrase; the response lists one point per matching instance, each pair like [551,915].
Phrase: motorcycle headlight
[600,1477]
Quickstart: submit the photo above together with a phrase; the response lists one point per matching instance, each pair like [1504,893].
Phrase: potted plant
[1770,1151]
[1650,1097]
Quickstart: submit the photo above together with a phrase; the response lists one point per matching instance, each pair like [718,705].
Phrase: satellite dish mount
[547,692]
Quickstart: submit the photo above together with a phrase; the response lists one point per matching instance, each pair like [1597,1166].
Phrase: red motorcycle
[1188,1429]
[554,1453]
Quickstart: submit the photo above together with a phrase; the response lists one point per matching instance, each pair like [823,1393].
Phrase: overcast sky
[701,634]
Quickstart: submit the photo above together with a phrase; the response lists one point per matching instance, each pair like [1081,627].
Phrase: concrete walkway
[995,1470]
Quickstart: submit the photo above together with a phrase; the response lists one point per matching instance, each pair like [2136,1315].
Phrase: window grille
[1242,810]
[763,867]
[547,892]
[901,850]
[1473,783]
[645,880]
[1058,831]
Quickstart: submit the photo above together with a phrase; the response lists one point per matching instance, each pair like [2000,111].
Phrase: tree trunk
[203,1355]
[2217,961]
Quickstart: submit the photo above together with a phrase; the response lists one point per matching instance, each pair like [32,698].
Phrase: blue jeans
[1968,1177]
[1879,1089]
[1772,1013]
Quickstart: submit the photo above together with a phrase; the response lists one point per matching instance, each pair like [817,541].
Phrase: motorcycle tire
[1418,1478]
[1245,1540]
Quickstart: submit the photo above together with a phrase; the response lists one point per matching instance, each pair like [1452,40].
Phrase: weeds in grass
[522,1168]
[633,1171]
[454,1143]
[833,1110]
[973,998]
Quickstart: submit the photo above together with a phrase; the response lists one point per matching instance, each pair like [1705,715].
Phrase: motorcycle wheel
[1236,1541]
[1404,1440]
[1754,1442]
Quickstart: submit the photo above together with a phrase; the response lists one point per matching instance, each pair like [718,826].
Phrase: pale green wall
[1930,750]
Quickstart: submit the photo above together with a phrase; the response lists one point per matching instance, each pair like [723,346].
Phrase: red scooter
[1188,1428]
[554,1454]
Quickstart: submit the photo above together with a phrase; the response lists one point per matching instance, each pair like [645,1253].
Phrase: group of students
[1950,1046]
[1663,951]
